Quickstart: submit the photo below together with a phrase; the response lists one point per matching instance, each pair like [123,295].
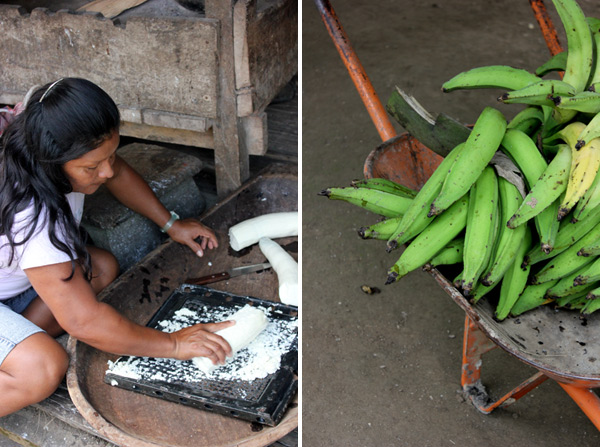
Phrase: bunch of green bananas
[539,241]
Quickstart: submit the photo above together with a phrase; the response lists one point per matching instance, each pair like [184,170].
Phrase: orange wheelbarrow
[561,346]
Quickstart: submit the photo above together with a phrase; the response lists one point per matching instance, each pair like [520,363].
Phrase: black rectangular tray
[262,400]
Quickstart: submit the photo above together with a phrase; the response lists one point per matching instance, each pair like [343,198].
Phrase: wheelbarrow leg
[587,400]
[475,344]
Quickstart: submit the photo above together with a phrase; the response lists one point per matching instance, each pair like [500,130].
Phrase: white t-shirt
[36,252]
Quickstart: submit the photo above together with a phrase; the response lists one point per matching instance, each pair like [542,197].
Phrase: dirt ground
[384,369]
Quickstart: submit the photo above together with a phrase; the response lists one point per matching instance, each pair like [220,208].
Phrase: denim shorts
[14,328]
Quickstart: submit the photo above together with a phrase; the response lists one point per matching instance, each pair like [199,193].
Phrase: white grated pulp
[259,359]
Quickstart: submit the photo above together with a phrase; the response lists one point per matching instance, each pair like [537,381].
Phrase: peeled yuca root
[286,268]
[273,225]
[249,322]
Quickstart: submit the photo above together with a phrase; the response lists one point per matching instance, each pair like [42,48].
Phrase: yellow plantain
[584,167]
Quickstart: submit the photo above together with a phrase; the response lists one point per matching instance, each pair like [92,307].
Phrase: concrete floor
[384,369]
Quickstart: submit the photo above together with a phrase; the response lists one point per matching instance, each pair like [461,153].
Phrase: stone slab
[128,235]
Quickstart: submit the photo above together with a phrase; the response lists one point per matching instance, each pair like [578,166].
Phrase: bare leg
[104,270]
[39,314]
[36,366]
[31,372]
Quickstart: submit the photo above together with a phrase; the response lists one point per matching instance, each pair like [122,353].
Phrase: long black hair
[62,121]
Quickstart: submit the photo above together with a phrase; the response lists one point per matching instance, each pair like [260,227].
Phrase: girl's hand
[185,232]
[201,341]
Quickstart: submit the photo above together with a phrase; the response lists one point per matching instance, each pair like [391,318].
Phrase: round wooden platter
[140,421]
[132,419]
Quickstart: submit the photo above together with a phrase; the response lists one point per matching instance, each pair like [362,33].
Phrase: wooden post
[231,157]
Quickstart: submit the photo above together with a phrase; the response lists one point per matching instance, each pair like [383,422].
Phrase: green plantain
[477,152]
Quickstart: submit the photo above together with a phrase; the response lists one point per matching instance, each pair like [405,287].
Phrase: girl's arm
[74,305]
[132,191]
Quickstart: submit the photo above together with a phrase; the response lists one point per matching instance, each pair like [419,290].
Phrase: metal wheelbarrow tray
[133,419]
[560,344]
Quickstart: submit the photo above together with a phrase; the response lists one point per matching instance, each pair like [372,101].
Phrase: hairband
[49,88]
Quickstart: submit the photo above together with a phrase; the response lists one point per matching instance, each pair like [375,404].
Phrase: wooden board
[54,420]
[110,8]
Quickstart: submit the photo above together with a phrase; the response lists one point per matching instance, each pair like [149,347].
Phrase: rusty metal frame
[475,344]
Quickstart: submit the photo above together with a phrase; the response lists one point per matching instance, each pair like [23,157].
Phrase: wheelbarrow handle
[361,81]
[546,26]
[365,89]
